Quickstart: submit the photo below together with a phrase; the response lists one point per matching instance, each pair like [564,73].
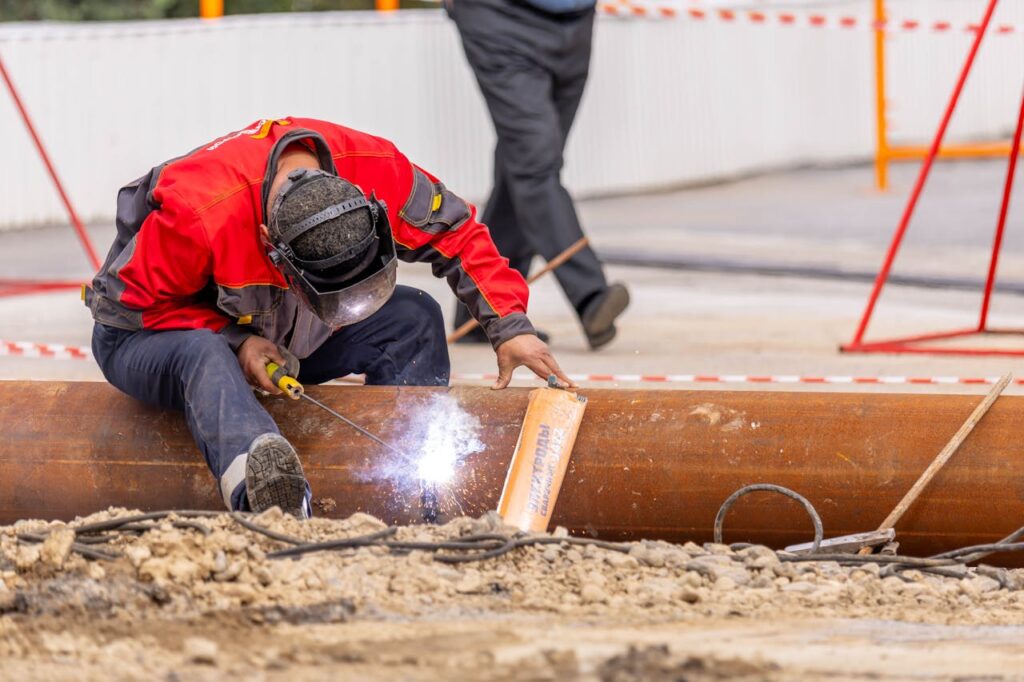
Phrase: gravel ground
[205,600]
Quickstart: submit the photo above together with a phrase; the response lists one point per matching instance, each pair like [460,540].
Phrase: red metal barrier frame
[916,343]
[21,286]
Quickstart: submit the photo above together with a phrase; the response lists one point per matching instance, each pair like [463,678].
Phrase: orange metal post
[886,153]
[211,9]
[956,151]
[882,136]
[387,5]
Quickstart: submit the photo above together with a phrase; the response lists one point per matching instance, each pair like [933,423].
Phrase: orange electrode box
[541,458]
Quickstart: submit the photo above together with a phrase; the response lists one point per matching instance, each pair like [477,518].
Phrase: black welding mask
[338,298]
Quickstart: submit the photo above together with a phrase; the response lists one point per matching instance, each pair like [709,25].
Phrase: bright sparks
[451,434]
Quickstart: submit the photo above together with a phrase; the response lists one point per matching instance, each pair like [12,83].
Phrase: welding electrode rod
[555,262]
[355,426]
[943,457]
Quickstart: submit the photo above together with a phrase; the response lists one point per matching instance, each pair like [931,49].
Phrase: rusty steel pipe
[647,463]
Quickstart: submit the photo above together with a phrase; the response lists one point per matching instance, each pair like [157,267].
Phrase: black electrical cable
[95,539]
[999,574]
[958,571]
[855,559]
[87,552]
[819,531]
[343,543]
[981,554]
[516,541]
[478,547]
[256,528]
[144,527]
[995,548]
[85,534]
[940,564]
[111,524]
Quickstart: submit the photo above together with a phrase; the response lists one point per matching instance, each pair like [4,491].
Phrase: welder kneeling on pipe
[285,235]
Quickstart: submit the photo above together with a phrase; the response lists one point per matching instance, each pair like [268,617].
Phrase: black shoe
[274,478]
[598,317]
[477,335]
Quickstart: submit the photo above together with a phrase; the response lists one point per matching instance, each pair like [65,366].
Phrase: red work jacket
[188,253]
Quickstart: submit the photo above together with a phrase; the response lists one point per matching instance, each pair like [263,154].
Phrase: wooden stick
[555,262]
[940,460]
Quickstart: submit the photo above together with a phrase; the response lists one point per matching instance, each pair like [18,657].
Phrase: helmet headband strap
[323,216]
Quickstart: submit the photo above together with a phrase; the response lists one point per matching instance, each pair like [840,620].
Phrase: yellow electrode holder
[288,384]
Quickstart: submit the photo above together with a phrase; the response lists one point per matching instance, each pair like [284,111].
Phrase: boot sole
[602,339]
[600,325]
[274,477]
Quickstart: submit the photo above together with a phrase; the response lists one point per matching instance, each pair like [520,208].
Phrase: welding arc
[355,426]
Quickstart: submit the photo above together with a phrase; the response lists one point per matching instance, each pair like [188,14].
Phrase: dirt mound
[180,566]
[203,583]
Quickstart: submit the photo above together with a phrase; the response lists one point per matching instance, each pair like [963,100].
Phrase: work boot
[477,335]
[273,476]
[599,313]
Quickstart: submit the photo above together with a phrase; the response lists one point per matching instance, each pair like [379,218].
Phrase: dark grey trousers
[532,68]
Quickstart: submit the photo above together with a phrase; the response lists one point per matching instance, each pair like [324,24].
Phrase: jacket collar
[320,148]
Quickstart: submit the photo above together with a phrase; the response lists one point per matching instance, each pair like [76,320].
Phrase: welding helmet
[338,298]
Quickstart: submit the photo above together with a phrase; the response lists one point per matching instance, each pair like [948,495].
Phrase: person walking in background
[531,59]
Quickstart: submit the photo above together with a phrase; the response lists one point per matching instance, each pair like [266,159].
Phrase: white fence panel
[670,101]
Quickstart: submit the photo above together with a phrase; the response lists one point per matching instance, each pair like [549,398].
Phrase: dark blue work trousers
[402,344]
[531,67]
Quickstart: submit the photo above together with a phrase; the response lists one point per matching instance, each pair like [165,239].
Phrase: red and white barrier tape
[656,10]
[57,351]
[753,379]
